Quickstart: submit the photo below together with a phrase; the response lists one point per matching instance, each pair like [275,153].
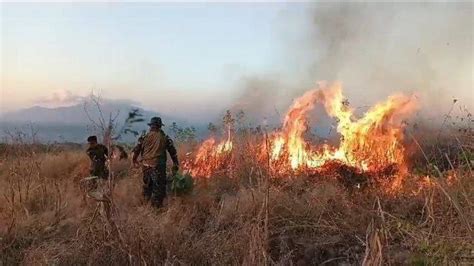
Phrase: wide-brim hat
[155,121]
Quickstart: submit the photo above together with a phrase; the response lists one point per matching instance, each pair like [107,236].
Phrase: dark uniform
[98,155]
[152,148]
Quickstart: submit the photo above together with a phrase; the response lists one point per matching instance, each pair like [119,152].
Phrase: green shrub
[181,184]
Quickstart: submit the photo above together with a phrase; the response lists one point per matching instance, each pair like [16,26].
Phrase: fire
[211,156]
[375,140]
[290,143]
[225,146]
[372,142]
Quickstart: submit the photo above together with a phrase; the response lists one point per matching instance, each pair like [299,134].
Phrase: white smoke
[60,98]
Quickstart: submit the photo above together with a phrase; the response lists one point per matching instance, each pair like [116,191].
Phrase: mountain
[74,114]
[73,123]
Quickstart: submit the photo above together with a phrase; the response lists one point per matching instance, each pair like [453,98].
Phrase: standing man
[153,147]
[98,154]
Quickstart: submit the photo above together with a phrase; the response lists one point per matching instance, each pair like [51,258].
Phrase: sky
[161,55]
[197,59]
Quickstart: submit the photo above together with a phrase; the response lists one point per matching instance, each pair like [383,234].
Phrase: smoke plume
[377,49]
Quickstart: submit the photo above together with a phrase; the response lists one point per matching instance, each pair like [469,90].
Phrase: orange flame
[375,140]
[211,156]
[370,143]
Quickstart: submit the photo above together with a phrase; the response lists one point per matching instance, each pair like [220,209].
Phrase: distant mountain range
[72,123]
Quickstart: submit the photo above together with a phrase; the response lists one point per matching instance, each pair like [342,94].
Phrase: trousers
[154,184]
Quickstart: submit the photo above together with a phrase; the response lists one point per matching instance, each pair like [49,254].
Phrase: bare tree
[27,136]
[105,125]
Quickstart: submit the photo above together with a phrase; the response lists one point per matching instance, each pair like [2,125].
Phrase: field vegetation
[240,215]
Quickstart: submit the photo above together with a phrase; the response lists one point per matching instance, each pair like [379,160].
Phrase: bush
[181,184]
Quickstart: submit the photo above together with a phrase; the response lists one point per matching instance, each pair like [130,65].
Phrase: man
[98,154]
[153,147]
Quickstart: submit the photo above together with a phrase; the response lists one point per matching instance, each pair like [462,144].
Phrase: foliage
[212,128]
[181,184]
[182,135]
[228,121]
[134,116]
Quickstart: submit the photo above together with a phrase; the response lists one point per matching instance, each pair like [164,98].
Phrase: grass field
[242,216]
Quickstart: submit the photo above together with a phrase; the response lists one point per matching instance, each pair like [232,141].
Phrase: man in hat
[98,154]
[153,147]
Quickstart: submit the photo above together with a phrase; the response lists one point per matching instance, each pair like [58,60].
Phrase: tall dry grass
[248,219]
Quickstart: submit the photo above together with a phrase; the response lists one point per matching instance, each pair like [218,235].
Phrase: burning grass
[260,198]
[371,143]
[247,219]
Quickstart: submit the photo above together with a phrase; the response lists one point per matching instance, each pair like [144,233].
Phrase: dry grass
[45,219]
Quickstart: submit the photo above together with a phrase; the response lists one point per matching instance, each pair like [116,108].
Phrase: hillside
[72,123]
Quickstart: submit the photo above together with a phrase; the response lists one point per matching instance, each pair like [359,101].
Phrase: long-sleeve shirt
[153,147]
[98,156]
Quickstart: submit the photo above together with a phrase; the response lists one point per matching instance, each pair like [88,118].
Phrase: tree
[108,128]
[212,128]
[134,116]
[181,135]
[228,120]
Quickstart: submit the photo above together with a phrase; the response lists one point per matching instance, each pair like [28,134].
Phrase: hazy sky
[161,55]
[197,59]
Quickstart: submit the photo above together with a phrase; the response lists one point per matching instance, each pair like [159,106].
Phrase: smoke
[261,98]
[60,98]
[375,50]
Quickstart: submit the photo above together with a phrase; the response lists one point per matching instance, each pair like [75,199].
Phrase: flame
[210,157]
[372,142]
[375,140]
[225,146]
